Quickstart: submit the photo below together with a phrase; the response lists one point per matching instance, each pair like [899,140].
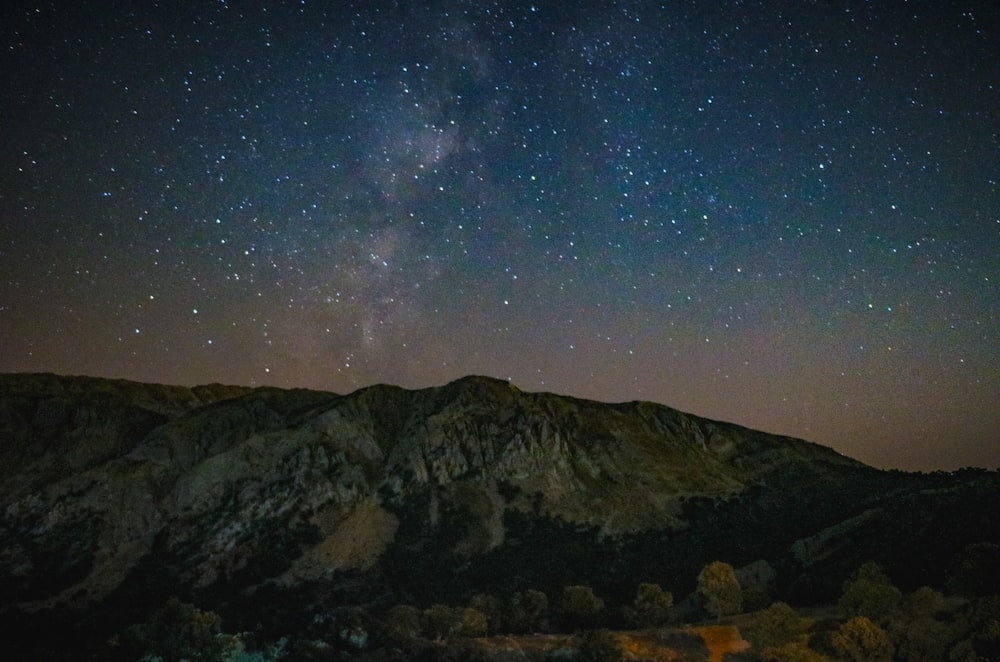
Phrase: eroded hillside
[117,495]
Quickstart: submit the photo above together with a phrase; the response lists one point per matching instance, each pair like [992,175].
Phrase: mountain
[269,505]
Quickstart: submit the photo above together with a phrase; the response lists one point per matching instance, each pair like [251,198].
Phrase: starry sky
[781,214]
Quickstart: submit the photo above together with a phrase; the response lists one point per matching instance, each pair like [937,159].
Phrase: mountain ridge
[116,495]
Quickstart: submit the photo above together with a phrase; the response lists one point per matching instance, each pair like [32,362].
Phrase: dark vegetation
[570,587]
[872,620]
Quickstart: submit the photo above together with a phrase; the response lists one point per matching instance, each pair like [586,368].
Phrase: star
[786,223]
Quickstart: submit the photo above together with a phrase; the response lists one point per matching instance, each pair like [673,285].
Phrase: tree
[923,602]
[861,640]
[491,607]
[442,622]
[718,585]
[771,627]
[651,607]
[870,593]
[984,630]
[975,571]
[178,631]
[528,612]
[471,623]
[923,639]
[580,607]
[402,625]
[963,651]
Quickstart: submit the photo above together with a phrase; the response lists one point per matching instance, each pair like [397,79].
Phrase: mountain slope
[116,495]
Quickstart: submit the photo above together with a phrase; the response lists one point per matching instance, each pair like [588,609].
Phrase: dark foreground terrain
[132,511]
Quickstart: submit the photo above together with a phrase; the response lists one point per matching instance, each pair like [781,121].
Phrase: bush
[439,622]
[651,607]
[491,607]
[471,623]
[580,607]
[718,585]
[984,622]
[870,593]
[402,625]
[861,640]
[923,640]
[599,646]
[528,612]
[924,602]
[443,622]
[975,571]
[178,631]
[776,625]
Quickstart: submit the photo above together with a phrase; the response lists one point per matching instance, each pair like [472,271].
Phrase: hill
[268,505]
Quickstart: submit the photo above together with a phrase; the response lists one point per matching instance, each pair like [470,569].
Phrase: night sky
[781,214]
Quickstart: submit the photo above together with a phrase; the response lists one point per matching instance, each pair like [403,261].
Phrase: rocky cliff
[115,495]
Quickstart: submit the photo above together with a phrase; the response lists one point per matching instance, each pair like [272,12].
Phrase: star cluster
[784,214]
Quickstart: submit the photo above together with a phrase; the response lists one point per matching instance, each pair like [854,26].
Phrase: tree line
[872,621]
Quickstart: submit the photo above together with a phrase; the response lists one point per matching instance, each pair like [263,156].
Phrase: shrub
[439,621]
[471,623]
[861,640]
[402,625]
[599,646]
[975,571]
[580,607]
[924,602]
[651,607]
[870,593]
[178,631]
[923,640]
[491,607]
[776,625]
[718,585]
[528,612]
[442,622]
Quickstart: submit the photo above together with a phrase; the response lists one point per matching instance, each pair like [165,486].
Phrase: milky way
[783,214]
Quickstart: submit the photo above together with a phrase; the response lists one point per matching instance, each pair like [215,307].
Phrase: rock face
[115,495]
